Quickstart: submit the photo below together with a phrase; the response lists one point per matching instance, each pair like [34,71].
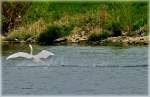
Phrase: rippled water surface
[76,70]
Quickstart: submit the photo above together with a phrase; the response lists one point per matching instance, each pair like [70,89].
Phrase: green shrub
[65,30]
[53,32]
[93,37]
[99,36]
[49,35]
[116,29]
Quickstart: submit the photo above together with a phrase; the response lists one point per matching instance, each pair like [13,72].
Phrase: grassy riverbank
[47,22]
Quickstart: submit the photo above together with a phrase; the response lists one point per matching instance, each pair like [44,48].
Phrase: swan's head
[30,45]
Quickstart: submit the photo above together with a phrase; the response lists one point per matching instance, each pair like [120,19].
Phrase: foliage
[52,33]
[129,16]
[112,16]
[98,36]
[12,13]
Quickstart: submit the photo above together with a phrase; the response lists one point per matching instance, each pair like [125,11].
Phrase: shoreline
[110,41]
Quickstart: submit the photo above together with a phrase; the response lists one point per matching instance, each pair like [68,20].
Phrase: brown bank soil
[127,40]
[76,38]
[120,40]
[81,36]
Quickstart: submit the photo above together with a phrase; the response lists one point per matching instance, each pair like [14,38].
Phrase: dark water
[77,70]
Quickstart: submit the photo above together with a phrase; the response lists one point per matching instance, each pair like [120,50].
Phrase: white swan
[37,57]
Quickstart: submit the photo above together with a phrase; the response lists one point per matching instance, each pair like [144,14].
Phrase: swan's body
[37,57]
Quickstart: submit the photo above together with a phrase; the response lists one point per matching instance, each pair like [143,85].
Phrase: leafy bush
[98,36]
[116,29]
[52,33]
[93,37]
[49,35]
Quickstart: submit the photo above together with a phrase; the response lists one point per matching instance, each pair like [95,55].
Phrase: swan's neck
[31,49]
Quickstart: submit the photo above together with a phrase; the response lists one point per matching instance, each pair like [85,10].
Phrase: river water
[76,70]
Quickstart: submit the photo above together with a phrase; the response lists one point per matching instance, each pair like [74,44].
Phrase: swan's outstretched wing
[44,54]
[20,54]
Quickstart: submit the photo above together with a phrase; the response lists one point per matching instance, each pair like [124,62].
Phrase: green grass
[111,16]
